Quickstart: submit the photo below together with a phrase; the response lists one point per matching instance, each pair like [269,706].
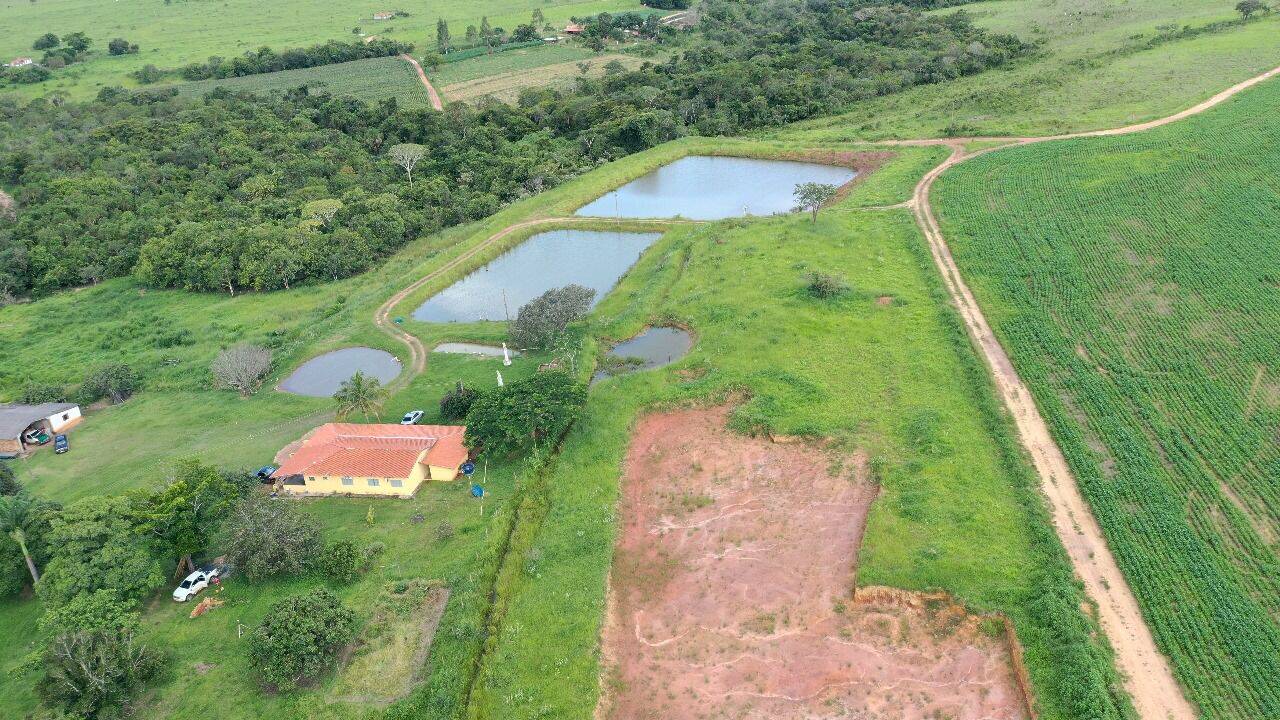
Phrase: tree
[8,207]
[182,516]
[115,382]
[471,33]
[541,321]
[442,35]
[456,403]
[26,522]
[322,210]
[265,537]
[299,638]
[93,674]
[9,484]
[537,19]
[341,562]
[407,155]
[360,394]
[34,393]
[78,41]
[812,196]
[524,33]
[525,413]
[120,46]
[98,544]
[242,368]
[1247,8]
[46,42]
[432,60]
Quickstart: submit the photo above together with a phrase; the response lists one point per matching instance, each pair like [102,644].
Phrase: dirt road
[431,90]
[1149,678]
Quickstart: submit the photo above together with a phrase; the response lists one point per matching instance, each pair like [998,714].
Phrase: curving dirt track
[1149,679]
[422,75]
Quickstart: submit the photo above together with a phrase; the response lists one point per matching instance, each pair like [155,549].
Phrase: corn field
[1135,282]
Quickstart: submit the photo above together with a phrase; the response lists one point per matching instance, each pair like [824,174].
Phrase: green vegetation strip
[1132,281]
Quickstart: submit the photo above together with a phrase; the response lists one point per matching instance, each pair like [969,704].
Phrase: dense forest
[236,192]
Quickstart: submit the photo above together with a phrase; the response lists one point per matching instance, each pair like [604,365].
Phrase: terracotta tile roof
[375,450]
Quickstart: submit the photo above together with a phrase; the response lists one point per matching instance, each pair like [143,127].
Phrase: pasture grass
[1132,281]
[506,86]
[507,62]
[174,34]
[370,80]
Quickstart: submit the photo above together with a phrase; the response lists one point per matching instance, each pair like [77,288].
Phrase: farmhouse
[383,15]
[375,459]
[22,426]
[573,29]
[21,62]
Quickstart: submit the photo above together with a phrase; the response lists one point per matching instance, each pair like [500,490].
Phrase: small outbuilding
[371,459]
[573,29]
[383,15]
[21,62]
[22,426]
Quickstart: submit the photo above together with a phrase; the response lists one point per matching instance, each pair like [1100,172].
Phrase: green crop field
[173,34]
[369,80]
[505,62]
[1133,282]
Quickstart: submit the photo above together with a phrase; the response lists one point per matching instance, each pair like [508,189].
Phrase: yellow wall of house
[440,473]
[334,485]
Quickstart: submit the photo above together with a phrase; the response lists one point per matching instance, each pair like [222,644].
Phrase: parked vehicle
[412,417]
[264,473]
[60,444]
[35,437]
[192,584]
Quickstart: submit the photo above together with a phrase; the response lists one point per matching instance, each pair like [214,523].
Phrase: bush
[371,553]
[46,41]
[299,638]
[525,413]
[9,484]
[444,531]
[457,402]
[94,674]
[34,393]
[120,46]
[825,287]
[266,537]
[114,382]
[241,368]
[541,321]
[340,562]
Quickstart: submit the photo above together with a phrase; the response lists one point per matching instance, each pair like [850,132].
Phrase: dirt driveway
[731,593]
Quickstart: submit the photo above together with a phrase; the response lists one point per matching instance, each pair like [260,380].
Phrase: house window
[373,482]
[348,481]
[311,478]
[66,416]
[397,483]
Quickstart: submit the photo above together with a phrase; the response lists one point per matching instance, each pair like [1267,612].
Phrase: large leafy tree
[182,516]
[26,524]
[299,637]
[99,543]
[265,537]
[525,413]
[96,673]
[542,321]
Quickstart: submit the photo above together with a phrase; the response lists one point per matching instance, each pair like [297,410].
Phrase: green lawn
[1092,70]
[173,34]
[505,62]
[369,80]
[1132,280]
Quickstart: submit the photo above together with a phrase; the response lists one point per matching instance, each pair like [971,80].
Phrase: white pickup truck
[192,584]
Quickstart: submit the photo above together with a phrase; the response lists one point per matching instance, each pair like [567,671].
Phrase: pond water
[712,188]
[655,347]
[322,375]
[463,348]
[545,261]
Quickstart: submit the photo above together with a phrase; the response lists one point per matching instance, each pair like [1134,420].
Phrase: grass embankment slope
[174,34]
[1132,281]
[886,370]
[1100,64]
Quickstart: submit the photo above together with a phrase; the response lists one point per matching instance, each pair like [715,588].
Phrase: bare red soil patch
[731,593]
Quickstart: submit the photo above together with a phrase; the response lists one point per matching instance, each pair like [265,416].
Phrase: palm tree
[14,510]
[360,394]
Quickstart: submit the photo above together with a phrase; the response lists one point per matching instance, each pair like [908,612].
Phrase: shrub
[265,537]
[95,673]
[9,484]
[34,393]
[340,562]
[541,321]
[371,553]
[242,368]
[525,413]
[444,531]
[115,382]
[457,402]
[299,638]
[824,286]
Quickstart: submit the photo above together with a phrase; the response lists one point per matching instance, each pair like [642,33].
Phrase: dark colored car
[264,473]
[60,444]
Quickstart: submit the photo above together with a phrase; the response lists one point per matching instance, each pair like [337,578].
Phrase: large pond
[545,261]
[653,348]
[322,375]
[713,188]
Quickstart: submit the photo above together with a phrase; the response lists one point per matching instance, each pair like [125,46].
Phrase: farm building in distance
[21,62]
[383,15]
[22,426]
[375,459]
[573,29]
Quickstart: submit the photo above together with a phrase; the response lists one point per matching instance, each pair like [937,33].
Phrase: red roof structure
[375,450]
[573,28]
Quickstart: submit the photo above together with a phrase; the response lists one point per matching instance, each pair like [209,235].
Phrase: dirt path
[1149,678]
[431,90]
[730,593]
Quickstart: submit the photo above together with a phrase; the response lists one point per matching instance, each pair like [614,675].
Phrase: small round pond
[653,348]
[322,375]
[545,261]
[713,188]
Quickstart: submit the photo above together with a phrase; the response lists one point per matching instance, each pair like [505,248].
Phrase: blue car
[60,444]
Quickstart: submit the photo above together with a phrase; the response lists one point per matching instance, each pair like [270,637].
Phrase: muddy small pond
[465,348]
[653,348]
[322,375]
[547,260]
[713,188]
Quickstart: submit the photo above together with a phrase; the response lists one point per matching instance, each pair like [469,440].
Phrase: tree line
[220,194]
[267,60]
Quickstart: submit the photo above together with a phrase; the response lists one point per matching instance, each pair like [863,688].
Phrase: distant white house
[383,15]
[21,425]
[21,62]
